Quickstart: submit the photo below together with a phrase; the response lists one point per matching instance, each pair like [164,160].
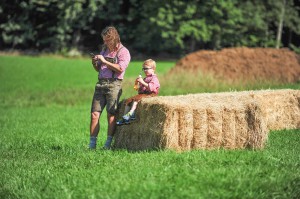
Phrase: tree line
[153,27]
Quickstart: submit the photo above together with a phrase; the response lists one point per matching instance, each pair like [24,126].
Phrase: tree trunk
[76,38]
[290,38]
[192,45]
[279,30]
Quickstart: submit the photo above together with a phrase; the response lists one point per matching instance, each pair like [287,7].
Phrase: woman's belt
[109,79]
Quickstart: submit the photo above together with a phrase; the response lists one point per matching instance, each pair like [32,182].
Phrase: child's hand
[140,80]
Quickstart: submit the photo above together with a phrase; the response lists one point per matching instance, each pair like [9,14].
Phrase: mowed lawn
[44,129]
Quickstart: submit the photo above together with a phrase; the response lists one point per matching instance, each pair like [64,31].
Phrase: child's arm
[140,79]
[153,86]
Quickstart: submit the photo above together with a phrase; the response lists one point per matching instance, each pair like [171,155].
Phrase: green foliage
[225,18]
[179,20]
[152,27]
[49,24]
[295,48]
[291,19]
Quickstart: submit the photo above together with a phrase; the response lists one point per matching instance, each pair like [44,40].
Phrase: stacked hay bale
[232,120]
[280,108]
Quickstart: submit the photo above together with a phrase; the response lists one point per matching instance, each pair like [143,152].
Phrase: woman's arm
[95,64]
[111,66]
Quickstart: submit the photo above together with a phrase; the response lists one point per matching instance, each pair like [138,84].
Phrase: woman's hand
[101,58]
[94,61]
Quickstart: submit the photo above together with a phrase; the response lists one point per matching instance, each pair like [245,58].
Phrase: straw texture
[230,120]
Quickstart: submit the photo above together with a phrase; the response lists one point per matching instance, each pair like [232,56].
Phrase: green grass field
[44,128]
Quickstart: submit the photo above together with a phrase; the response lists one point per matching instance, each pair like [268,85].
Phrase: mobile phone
[92,55]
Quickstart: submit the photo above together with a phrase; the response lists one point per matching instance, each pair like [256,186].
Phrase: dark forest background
[154,27]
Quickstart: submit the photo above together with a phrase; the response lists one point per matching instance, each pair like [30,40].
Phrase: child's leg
[130,114]
[133,107]
[127,109]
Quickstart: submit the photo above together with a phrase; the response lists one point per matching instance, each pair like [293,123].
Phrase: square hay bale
[280,108]
[232,120]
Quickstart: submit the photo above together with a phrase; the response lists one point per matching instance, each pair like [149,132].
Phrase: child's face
[148,70]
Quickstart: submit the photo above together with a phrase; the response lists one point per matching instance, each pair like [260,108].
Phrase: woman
[110,64]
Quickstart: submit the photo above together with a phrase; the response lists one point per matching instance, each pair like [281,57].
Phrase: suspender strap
[115,61]
[112,60]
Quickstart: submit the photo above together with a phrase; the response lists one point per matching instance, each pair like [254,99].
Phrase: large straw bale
[200,129]
[280,108]
[230,120]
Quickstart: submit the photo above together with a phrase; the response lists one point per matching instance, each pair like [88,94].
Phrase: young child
[148,87]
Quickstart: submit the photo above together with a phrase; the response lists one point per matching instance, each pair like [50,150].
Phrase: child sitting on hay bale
[148,87]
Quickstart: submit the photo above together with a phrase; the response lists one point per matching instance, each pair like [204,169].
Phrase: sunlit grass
[44,155]
[44,128]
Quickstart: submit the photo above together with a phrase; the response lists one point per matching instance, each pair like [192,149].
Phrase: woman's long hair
[110,33]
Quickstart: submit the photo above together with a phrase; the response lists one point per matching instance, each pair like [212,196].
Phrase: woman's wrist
[105,62]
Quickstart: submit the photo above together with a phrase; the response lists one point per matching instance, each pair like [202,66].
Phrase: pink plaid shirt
[154,85]
[123,61]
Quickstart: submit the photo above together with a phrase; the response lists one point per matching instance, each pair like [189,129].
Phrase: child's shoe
[126,119]
[132,116]
[129,116]
[121,122]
